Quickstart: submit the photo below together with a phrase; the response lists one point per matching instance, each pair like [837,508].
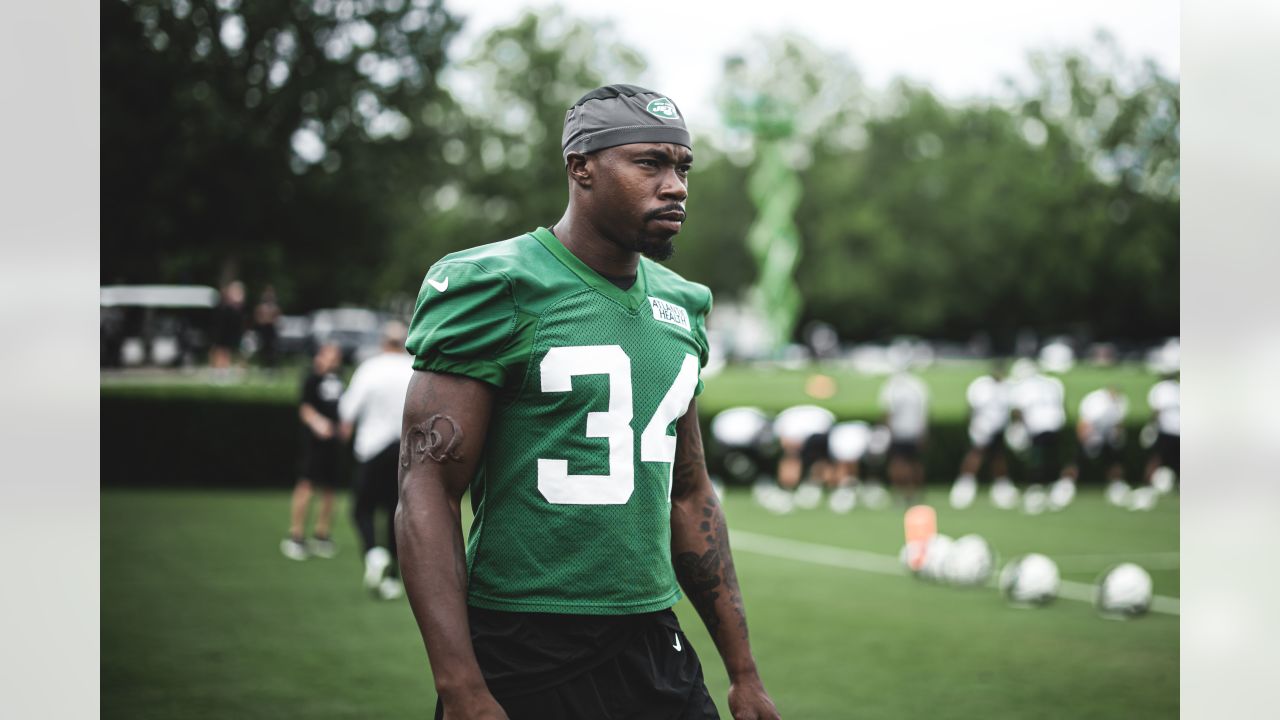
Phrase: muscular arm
[704,568]
[446,418]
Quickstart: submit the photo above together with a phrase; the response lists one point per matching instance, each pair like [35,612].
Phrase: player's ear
[580,169]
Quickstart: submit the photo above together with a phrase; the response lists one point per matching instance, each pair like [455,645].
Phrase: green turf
[202,618]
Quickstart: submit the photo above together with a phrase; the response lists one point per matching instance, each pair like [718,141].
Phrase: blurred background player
[743,437]
[374,405]
[1100,432]
[846,445]
[1039,405]
[318,411]
[228,330]
[801,433]
[265,316]
[1163,465]
[988,398]
[905,401]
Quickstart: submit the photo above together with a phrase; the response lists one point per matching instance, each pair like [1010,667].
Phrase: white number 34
[558,369]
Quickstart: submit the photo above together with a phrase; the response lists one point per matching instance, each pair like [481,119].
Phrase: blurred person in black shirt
[265,315]
[228,327]
[318,412]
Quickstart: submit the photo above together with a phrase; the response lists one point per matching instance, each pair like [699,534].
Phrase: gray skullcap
[621,115]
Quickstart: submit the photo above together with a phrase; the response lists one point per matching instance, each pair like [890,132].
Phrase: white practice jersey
[906,399]
[796,424]
[1164,402]
[1103,412]
[1040,399]
[988,406]
[375,402]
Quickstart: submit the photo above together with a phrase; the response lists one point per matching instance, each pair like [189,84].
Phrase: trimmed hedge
[204,441]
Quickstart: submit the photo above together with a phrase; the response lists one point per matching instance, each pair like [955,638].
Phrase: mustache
[653,214]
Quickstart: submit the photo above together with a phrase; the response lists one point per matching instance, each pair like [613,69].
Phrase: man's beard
[658,249]
[654,248]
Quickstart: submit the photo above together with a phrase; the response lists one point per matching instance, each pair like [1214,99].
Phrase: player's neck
[596,251]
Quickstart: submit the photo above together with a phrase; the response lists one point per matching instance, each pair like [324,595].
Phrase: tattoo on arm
[690,464]
[424,441]
[705,577]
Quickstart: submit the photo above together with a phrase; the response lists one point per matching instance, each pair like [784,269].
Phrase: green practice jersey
[572,499]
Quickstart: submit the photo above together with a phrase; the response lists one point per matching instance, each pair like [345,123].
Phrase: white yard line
[888,565]
[1149,560]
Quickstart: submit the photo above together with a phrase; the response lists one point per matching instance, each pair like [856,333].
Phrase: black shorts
[905,449]
[994,448]
[543,666]
[816,448]
[1045,461]
[1167,448]
[319,461]
[1104,454]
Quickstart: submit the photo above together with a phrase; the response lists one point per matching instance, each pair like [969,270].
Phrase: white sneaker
[843,500]
[874,495]
[963,493]
[1061,493]
[1004,494]
[1117,493]
[1162,480]
[1143,499]
[293,549]
[323,548]
[1035,500]
[808,496]
[375,565]
[772,498]
[390,589]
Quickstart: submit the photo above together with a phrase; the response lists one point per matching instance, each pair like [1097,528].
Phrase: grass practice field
[203,618]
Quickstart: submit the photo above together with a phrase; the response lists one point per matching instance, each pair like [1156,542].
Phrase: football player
[555,377]
[988,398]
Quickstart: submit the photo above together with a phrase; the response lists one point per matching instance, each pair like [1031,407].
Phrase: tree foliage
[331,147]
[261,139]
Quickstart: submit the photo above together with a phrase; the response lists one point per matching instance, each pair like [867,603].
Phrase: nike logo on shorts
[439,286]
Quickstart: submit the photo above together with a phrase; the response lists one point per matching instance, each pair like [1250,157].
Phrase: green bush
[210,440]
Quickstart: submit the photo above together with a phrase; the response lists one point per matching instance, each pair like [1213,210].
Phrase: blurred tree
[263,139]
[951,221]
[503,173]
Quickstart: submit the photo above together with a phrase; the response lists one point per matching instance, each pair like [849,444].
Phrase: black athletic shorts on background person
[1167,448]
[542,666]
[318,460]
[905,449]
[816,447]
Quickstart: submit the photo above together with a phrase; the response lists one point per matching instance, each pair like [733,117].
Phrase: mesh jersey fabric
[572,496]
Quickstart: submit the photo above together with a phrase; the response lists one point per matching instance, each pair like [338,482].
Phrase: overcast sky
[961,49]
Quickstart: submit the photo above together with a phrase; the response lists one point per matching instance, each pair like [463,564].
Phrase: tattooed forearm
[438,439]
[690,465]
[708,577]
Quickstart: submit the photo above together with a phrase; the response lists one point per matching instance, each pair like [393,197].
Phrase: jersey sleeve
[700,336]
[464,317]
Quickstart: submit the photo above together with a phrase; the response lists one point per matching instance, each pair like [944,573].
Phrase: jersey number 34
[558,369]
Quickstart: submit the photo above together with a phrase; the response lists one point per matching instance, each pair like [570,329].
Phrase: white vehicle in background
[356,330]
[154,324]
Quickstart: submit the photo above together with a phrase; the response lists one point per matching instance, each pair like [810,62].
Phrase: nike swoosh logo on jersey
[677,645]
[439,286]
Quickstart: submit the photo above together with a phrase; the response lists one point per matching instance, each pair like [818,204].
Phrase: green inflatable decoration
[775,190]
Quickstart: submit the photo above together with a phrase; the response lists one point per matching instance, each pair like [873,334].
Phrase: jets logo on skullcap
[662,108]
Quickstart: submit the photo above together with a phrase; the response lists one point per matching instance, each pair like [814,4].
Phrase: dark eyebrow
[686,157]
